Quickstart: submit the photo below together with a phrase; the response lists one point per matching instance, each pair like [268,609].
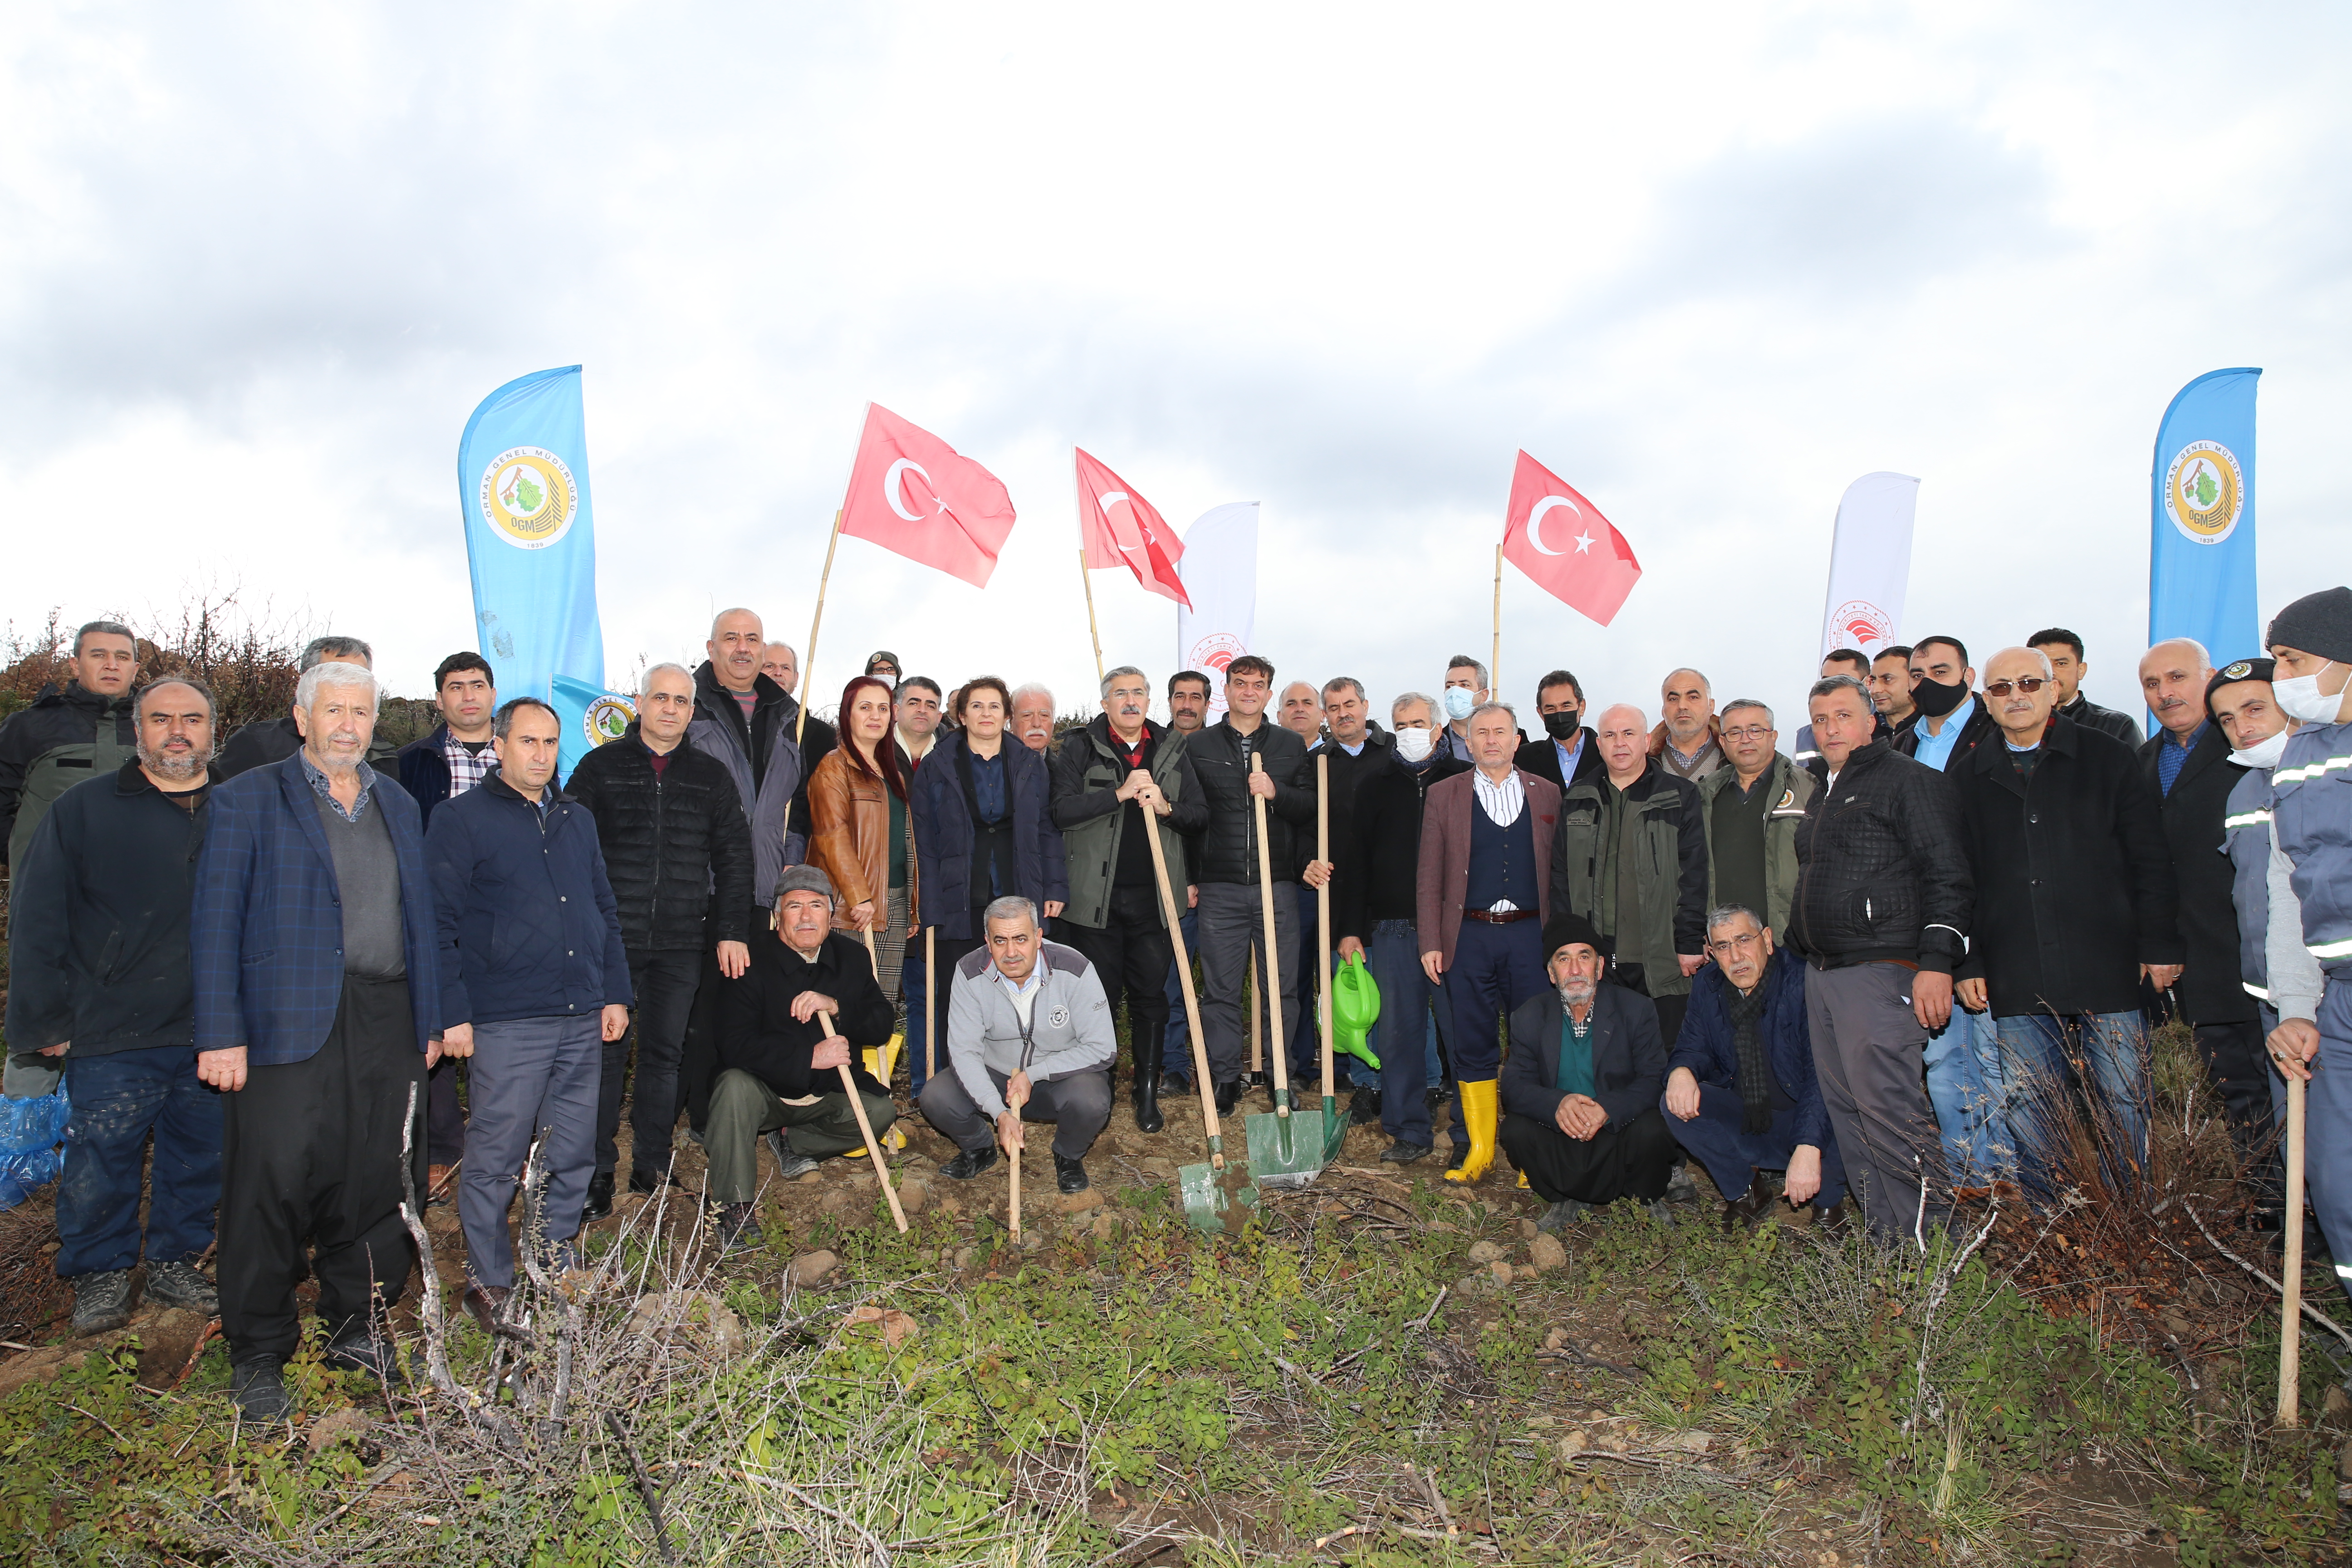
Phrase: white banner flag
[1219,570]
[1869,563]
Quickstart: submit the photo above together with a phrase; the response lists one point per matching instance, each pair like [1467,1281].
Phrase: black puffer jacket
[675,844]
[1228,850]
[1881,872]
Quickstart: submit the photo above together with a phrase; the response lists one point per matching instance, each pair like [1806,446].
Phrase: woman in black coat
[983,831]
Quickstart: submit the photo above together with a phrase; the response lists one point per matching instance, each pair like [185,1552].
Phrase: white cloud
[1709,263]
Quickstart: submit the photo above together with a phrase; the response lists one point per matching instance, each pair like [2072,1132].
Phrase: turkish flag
[1122,529]
[912,492]
[1561,542]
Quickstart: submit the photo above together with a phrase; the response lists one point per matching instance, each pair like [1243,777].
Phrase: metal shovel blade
[1207,1204]
[1291,1150]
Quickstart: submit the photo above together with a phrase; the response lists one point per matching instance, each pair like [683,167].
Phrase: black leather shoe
[600,1197]
[1070,1176]
[969,1163]
[1744,1212]
[1228,1096]
[1365,1108]
[361,1352]
[1404,1153]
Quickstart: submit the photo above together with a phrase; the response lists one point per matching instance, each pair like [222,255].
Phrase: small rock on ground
[1078,1202]
[808,1271]
[1546,1253]
[1484,1251]
[698,1316]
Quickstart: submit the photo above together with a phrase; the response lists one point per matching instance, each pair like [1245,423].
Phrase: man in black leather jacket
[677,852]
[1881,915]
[1232,917]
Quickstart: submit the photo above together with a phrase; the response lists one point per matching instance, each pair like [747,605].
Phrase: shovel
[873,1148]
[1283,1151]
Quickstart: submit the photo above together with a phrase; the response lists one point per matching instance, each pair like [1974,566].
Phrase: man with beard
[1581,1086]
[103,985]
[1566,753]
[1950,721]
[1188,712]
[1687,742]
[1740,1090]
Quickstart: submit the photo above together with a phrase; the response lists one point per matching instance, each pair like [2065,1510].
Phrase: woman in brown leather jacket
[859,834]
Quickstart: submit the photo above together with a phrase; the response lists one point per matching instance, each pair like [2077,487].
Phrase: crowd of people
[1909,955]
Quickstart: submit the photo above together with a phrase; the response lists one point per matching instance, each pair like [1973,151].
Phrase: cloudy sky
[1709,263]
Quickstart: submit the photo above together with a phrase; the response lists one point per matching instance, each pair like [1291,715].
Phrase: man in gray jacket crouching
[1034,1046]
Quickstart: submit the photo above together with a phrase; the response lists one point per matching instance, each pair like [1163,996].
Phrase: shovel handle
[1192,1000]
[1323,905]
[866,1127]
[1271,999]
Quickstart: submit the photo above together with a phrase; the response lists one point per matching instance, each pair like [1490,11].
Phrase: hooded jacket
[98,951]
[1088,771]
[65,738]
[676,848]
[765,765]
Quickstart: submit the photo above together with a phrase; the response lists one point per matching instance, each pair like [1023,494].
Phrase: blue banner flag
[522,481]
[590,716]
[2200,557]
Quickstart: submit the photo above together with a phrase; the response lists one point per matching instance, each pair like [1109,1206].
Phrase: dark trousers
[1628,1161]
[914,985]
[531,1075]
[1670,1009]
[1232,940]
[117,1099]
[665,985]
[1132,954]
[1078,1106]
[310,1163]
[1400,1037]
[444,1118]
[1177,1053]
[1870,1053]
[2241,1072]
[1716,1138]
[1494,969]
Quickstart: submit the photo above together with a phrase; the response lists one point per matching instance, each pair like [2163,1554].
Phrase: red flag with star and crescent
[1122,529]
[1564,545]
[912,492]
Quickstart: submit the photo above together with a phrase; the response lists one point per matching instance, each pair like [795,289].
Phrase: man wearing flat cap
[1580,1088]
[778,1069]
[2312,818]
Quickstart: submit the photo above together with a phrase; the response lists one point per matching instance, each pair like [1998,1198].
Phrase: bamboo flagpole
[1495,660]
[808,665]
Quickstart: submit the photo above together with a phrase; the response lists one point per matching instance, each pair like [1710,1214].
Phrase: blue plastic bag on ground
[30,1132]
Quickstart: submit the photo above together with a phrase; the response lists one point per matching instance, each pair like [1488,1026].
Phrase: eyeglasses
[2029,684]
[1749,732]
[1745,939]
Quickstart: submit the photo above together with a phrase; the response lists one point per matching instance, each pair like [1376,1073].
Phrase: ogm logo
[607,719]
[1865,625]
[528,497]
[2205,492]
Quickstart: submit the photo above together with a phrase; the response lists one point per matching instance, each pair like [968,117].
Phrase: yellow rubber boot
[1479,1111]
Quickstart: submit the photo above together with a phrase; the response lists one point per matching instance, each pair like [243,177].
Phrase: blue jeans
[2042,1055]
[118,1098]
[1495,968]
[1965,1084]
[1307,1051]
[1716,1139]
[1399,1035]
[914,982]
[1176,1054]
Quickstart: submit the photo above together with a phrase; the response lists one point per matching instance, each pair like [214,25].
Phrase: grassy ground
[1377,1370]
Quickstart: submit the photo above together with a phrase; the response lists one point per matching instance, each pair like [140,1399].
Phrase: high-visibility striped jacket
[2246,840]
[2311,791]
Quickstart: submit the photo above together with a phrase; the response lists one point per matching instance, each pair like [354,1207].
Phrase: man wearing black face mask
[1949,722]
[1565,753]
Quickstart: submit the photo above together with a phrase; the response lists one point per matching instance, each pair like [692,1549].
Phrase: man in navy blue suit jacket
[317,1001]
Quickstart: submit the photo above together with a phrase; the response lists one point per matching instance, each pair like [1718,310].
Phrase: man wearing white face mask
[2242,702]
[2312,641]
[1373,909]
[1465,688]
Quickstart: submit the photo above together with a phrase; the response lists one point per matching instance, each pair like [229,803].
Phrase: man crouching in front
[1030,1042]
[778,1072]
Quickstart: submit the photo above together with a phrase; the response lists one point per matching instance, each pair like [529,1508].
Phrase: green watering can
[1355,1008]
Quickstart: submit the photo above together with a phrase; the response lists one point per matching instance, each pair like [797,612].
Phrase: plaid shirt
[326,791]
[466,767]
